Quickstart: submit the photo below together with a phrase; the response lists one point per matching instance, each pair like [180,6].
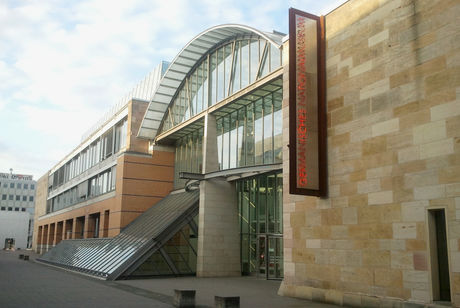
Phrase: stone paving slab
[253,292]
[29,284]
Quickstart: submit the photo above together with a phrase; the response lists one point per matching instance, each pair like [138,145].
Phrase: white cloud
[64,63]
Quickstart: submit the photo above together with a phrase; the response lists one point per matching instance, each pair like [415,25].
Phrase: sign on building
[307,105]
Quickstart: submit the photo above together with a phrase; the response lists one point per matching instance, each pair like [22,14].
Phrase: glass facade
[176,258]
[99,184]
[252,134]
[222,72]
[112,141]
[260,207]
[189,156]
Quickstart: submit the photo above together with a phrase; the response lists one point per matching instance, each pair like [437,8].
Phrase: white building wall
[14,225]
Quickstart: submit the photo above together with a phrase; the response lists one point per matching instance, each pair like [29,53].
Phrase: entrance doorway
[439,255]
[270,256]
[260,212]
[9,243]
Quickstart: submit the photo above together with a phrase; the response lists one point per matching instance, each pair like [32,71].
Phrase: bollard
[227,301]
[184,298]
[26,258]
[21,256]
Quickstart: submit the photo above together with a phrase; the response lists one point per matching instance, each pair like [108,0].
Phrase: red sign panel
[307,109]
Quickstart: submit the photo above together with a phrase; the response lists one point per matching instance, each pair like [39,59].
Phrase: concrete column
[210,158]
[218,232]
[74,228]
[64,229]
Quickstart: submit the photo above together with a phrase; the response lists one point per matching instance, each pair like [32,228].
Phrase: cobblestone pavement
[30,284]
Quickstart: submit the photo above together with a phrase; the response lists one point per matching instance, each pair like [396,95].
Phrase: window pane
[268,130]
[258,131]
[250,147]
[225,143]
[233,139]
[254,59]
[236,82]
[219,142]
[220,74]
[278,127]
[244,63]
[240,147]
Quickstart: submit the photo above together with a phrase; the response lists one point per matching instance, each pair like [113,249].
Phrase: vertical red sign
[307,113]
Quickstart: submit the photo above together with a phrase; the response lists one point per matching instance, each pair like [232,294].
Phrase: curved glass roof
[187,64]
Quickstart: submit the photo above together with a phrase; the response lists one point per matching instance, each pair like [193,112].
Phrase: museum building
[328,158]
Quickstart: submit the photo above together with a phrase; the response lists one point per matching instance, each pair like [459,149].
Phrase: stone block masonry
[393,100]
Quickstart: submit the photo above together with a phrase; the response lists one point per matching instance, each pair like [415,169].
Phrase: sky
[63,64]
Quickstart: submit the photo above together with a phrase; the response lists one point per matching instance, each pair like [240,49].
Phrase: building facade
[386,231]
[17,193]
[105,183]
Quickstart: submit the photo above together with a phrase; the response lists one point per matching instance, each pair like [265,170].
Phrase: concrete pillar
[218,233]
[74,226]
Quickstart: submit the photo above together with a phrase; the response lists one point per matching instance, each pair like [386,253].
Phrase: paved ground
[30,284]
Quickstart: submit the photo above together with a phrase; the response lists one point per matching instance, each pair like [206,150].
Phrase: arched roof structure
[184,63]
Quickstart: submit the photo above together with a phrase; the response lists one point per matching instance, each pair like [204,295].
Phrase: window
[10,208]
[11,185]
[26,186]
[23,209]
[24,198]
[3,197]
[10,197]
[32,186]
[31,198]
[5,185]
[3,208]
[16,209]
[19,185]
[18,198]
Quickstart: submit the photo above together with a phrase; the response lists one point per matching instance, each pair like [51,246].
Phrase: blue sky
[63,64]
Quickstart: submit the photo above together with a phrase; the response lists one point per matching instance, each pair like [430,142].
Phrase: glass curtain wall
[260,206]
[112,141]
[222,72]
[99,184]
[176,258]
[251,135]
[189,156]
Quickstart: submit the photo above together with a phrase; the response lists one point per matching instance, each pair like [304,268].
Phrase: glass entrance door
[261,256]
[275,257]
[269,256]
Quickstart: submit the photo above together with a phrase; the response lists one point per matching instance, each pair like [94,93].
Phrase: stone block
[380,197]
[378,38]
[437,148]
[367,186]
[409,154]
[318,295]
[362,68]
[227,301]
[430,132]
[184,298]
[414,211]
[379,172]
[404,230]
[385,277]
[370,301]
[429,192]
[375,145]
[313,243]
[444,111]
[352,300]
[374,89]
[386,127]
[350,215]
[402,260]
